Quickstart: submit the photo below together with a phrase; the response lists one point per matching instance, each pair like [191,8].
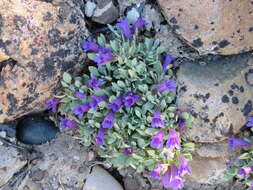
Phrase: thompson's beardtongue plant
[125,105]
[241,167]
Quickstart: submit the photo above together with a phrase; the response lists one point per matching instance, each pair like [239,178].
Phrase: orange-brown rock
[41,39]
[217,27]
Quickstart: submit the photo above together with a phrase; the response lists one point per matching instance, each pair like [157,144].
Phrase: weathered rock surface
[11,161]
[217,27]
[220,95]
[42,39]
[106,12]
[61,166]
[99,179]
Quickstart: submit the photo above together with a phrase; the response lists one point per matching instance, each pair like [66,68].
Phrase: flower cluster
[126,105]
[242,167]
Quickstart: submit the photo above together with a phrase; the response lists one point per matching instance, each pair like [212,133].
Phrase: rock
[28,184]
[213,150]
[36,130]
[154,18]
[99,179]
[90,8]
[11,161]
[208,171]
[202,24]
[131,184]
[124,4]
[106,12]
[60,164]
[220,95]
[41,40]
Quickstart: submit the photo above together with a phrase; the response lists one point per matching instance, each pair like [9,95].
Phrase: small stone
[99,179]
[38,175]
[131,184]
[3,134]
[91,156]
[106,12]
[36,130]
[90,8]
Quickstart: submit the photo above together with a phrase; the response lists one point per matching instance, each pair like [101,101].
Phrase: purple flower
[167,85]
[100,136]
[250,122]
[52,104]
[95,100]
[173,140]
[157,140]
[115,106]
[157,120]
[128,151]
[108,120]
[89,45]
[181,125]
[171,179]
[138,24]
[94,83]
[130,99]
[184,166]
[156,172]
[245,170]
[67,123]
[80,109]
[168,60]
[234,142]
[124,26]
[105,55]
[79,95]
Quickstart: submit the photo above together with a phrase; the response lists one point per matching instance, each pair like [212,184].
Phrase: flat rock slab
[220,96]
[62,165]
[11,161]
[217,27]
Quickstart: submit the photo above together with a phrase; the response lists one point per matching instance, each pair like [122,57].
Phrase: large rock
[217,27]
[42,39]
[11,161]
[220,95]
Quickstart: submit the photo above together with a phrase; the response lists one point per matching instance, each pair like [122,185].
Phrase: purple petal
[234,142]
[89,45]
[157,120]
[167,85]
[173,140]
[124,26]
[109,120]
[157,140]
[168,60]
[52,104]
[100,136]
[138,24]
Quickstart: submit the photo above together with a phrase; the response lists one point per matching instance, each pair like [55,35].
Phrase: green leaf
[93,70]
[67,77]
[189,146]
[101,40]
[92,56]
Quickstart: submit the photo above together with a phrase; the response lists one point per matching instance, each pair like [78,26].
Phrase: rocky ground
[41,39]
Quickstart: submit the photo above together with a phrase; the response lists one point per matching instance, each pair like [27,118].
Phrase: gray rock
[11,161]
[220,94]
[154,18]
[90,8]
[99,179]
[106,12]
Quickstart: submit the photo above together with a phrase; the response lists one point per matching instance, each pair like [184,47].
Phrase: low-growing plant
[125,105]
[241,168]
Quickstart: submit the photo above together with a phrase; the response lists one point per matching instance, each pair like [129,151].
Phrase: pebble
[35,130]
